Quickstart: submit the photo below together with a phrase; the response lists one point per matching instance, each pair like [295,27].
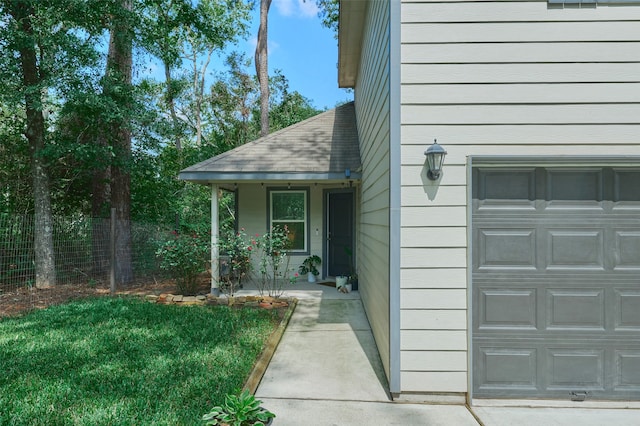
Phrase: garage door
[556,282]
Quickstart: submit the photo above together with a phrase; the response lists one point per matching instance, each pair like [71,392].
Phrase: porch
[305,177]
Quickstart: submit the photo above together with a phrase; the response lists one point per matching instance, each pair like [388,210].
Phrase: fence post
[112,253]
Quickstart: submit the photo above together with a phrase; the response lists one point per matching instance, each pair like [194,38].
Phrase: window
[289,207]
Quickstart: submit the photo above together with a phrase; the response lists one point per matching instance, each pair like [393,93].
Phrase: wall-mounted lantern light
[435,158]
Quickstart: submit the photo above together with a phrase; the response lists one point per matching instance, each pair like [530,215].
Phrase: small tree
[235,261]
[274,268]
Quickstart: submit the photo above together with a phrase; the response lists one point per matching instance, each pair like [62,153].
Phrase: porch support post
[215,264]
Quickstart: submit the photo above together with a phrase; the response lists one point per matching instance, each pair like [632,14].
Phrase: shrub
[274,268]
[185,257]
[235,259]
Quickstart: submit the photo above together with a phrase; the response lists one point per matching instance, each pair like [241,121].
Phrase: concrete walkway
[326,371]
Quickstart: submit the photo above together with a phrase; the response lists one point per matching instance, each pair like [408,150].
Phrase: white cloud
[284,7]
[297,8]
[308,8]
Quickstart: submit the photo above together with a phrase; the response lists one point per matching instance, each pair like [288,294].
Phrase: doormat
[327,283]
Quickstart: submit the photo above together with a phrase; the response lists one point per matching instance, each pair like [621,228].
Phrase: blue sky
[305,51]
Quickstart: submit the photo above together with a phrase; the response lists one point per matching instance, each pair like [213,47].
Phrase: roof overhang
[217,177]
[350,28]
[321,149]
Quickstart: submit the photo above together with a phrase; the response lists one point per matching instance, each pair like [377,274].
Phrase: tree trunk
[172,104]
[119,65]
[100,202]
[35,133]
[262,70]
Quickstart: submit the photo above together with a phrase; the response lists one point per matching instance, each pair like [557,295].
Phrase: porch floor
[303,290]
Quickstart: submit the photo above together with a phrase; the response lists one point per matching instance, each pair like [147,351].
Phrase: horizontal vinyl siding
[434,278]
[494,78]
[372,113]
[517,135]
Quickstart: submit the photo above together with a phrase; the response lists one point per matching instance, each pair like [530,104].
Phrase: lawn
[124,361]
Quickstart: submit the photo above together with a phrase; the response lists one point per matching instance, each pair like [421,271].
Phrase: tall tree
[117,87]
[180,31]
[48,52]
[262,70]
[32,80]
[234,97]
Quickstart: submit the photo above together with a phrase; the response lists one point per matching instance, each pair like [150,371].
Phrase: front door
[340,253]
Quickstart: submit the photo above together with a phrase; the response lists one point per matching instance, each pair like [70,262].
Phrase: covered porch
[306,176]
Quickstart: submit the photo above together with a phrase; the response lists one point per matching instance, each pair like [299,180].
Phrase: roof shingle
[321,147]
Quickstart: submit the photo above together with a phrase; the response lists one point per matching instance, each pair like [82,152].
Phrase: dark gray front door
[339,232]
[556,282]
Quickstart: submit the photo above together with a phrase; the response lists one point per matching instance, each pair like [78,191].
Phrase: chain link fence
[83,253]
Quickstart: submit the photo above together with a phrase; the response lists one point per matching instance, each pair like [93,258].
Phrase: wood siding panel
[435,360]
[521,73]
[490,32]
[440,216]
[454,174]
[434,278]
[441,236]
[434,340]
[495,78]
[444,53]
[518,94]
[510,12]
[458,153]
[416,196]
[538,135]
[439,319]
[433,257]
[522,114]
[433,299]
[372,114]
[434,381]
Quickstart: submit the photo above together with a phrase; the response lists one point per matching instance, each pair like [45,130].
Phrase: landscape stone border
[239,301]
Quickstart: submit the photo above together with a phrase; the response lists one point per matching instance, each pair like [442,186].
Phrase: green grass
[123,361]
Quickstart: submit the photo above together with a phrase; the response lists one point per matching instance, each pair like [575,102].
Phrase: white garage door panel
[556,282]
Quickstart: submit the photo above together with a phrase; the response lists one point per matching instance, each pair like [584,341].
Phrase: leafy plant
[310,264]
[353,275]
[236,250]
[238,410]
[274,269]
[184,257]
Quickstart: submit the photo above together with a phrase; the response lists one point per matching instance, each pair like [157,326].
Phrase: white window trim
[305,221]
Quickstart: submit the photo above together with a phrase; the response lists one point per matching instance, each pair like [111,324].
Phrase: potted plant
[310,267]
[341,281]
[353,275]
[353,280]
[239,410]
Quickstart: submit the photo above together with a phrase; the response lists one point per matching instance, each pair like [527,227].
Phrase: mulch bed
[15,301]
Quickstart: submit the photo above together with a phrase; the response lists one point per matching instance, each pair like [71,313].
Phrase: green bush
[185,257]
[235,261]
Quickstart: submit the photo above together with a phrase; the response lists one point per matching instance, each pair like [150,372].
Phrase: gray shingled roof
[319,148]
